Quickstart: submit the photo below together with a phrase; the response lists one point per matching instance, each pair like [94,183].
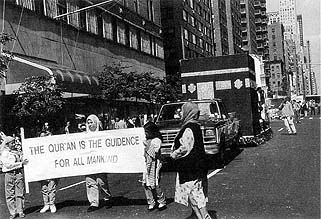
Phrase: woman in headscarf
[96,182]
[189,159]
[153,164]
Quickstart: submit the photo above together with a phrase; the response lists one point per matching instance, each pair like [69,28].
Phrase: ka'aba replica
[230,78]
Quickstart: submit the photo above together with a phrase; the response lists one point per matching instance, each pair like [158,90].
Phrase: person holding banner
[12,166]
[189,159]
[95,181]
[153,163]
[48,187]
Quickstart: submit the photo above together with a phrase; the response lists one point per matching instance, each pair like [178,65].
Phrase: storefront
[81,94]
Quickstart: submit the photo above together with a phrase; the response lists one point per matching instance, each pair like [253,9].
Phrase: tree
[4,59]
[115,83]
[38,98]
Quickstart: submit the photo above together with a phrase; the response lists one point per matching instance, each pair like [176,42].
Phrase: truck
[220,129]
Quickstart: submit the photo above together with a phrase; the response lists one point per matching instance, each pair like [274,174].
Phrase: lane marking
[280,129]
[213,173]
[70,186]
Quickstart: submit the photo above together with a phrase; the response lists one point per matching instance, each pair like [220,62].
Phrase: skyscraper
[273,17]
[187,31]
[233,16]
[248,26]
[220,27]
[261,29]
[287,11]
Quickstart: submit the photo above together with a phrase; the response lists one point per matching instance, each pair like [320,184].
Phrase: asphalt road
[277,180]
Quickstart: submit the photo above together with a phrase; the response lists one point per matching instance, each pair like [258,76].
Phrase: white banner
[112,151]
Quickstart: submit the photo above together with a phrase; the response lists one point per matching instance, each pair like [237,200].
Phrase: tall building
[233,15]
[219,11]
[248,26]
[261,21]
[287,11]
[276,41]
[277,77]
[187,30]
[227,27]
[300,29]
[75,47]
[273,17]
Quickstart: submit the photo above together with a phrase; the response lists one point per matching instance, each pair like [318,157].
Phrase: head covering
[190,112]
[152,131]
[6,141]
[95,125]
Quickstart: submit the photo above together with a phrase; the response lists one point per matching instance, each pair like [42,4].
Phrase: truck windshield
[172,111]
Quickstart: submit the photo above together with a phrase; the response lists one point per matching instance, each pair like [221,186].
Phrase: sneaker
[44,209]
[161,206]
[21,214]
[53,208]
[151,207]
[12,216]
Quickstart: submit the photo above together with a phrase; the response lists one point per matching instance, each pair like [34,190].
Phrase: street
[277,180]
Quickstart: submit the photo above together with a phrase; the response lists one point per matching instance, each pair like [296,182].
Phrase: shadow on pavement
[123,201]
[212,214]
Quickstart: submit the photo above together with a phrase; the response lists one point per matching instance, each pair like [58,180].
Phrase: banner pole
[22,135]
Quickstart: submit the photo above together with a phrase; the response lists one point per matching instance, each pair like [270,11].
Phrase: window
[92,21]
[185,34]
[145,43]
[107,27]
[150,10]
[136,6]
[191,3]
[30,4]
[121,33]
[192,21]
[184,15]
[193,39]
[73,19]
[133,39]
[159,49]
[62,9]
[51,8]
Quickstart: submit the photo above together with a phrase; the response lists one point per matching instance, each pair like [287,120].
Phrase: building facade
[233,16]
[248,26]
[75,47]
[220,27]
[261,21]
[273,17]
[187,31]
[287,12]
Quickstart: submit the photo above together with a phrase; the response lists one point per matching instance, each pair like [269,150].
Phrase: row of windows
[193,3]
[190,54]
[197,24]
[197,41]
[103,25]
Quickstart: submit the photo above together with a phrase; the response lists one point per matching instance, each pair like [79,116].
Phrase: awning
[69,80]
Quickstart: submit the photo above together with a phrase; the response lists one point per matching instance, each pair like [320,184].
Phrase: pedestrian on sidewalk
[151,178]
[288,116]
[48,187]
[12,165]
[189,160]
[96,182]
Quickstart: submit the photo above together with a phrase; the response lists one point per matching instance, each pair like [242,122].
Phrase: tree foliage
[38,98]
[117,83]
[4,59]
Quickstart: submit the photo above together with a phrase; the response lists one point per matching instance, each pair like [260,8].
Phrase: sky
[310,10]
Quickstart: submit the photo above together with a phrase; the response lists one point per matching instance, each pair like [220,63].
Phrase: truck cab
[219,128]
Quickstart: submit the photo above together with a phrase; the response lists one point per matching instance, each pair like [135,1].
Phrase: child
[12,166]
[152,177]
[48,187]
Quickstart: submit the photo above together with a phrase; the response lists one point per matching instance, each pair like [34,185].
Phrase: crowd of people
[188,156]
[292,111]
